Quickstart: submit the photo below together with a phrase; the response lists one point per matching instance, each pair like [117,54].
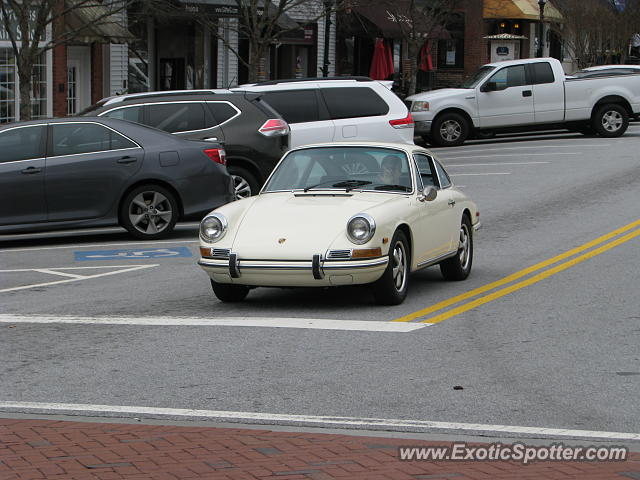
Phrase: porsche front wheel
[391,288]
[229,293]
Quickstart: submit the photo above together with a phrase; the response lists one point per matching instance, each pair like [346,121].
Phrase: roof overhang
[93,22]
[396,19]
[231,9]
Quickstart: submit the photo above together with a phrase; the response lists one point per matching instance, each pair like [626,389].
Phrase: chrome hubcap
[450,130]
[241,187]
[612,121]
[464,247]
[399,266]
[150,212]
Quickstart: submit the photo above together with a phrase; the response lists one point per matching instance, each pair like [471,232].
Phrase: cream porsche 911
[342,214]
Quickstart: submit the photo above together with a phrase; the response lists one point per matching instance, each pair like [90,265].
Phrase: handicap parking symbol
[137,254]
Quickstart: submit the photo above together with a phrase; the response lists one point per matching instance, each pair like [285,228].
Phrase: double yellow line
[522,273]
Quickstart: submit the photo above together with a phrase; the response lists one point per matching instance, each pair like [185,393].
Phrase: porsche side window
[426,170]
[445,181]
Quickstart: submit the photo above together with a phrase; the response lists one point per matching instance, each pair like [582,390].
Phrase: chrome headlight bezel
[218,217]
[371,223]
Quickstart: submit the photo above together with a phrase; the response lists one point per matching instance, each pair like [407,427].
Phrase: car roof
[164,93]
[608,67]
[408,147]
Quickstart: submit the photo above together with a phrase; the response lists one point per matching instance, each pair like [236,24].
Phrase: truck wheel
[450,130]
[610,120]
[244,183]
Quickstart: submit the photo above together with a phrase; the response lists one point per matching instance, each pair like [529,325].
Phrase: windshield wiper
[384,186]
[348,185]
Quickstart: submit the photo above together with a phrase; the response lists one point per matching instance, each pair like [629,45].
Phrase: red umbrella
[381,64]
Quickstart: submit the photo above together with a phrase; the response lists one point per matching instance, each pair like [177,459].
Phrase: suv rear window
[177,117]
[295,106]
[354,102]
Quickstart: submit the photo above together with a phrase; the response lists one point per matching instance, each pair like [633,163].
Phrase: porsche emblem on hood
[282,240]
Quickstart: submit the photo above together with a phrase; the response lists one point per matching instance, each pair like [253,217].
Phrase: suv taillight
[405,122]
[274,127]
[218,155]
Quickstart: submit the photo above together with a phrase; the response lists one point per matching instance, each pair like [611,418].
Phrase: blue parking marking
[136,254]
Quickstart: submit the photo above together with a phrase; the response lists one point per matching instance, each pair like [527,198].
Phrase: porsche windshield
[343,168]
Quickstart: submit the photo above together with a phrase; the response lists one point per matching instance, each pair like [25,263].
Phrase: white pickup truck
[524,95]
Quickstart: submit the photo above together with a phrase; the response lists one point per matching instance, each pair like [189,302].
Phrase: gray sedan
[70,173]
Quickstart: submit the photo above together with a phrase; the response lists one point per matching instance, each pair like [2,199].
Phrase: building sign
[13,26]
[501,51]
[217,10]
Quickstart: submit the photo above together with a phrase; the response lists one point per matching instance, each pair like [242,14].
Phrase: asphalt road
[557,352]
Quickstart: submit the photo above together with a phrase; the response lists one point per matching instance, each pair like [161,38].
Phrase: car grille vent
[339,254]
[220,253]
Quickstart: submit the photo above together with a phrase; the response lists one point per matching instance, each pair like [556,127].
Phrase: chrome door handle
[452,202]
[31,170]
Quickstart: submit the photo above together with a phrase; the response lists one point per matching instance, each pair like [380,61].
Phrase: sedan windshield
[343,168]
[476,78]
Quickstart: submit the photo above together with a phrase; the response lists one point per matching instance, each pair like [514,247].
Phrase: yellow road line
[514,276]
[530,281]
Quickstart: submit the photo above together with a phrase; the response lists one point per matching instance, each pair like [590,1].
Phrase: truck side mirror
[489,87]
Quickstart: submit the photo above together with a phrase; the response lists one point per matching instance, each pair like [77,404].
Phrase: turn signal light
[206,252]
[218,155]
[366,252]
[405,122]
[274,127]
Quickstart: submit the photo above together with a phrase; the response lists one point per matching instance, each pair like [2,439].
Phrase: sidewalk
[56,450]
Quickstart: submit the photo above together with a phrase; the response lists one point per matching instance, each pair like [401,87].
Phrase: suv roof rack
[307,79]
[127,96]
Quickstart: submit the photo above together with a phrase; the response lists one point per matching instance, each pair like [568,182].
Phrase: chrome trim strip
[433,261]
[307,266]
[93,153]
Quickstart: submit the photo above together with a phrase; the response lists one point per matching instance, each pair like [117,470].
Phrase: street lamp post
[541,28]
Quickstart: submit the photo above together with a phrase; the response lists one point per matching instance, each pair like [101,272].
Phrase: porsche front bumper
[316,272]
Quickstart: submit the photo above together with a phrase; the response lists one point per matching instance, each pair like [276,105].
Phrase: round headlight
[361,228]
[213,227]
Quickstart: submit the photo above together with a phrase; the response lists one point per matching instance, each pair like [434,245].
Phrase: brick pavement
[56,450]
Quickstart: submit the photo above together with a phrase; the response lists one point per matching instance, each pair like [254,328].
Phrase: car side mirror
[489,87]
[428,194]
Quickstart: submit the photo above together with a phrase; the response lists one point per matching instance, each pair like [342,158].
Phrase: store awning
[231,8]
[93,22]
[520,10]
[395,20]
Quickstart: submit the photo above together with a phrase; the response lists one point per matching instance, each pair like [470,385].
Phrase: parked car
[337,109]
[253,134]
[73,173]
[525,95]
[341,214]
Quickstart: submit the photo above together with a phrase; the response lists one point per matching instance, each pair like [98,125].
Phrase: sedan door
[433,231]
[88,165]
[506,99]
[22,172]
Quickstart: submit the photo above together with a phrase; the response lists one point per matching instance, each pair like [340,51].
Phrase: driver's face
[390,174]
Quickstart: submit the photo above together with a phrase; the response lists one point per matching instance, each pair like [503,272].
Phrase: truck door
[506,99]
[548,93]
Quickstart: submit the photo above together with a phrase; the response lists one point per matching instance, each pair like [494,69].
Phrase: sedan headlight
[360,228]
[420,107]
[213,227]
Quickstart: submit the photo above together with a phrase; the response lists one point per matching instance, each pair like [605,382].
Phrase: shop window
[451,51]
[354,102]
[7,86]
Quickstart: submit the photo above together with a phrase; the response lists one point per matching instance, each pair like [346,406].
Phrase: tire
[229,293]
[244,182]
[149,212]
[450,130]
[610,120]
[458,267]
[386,290]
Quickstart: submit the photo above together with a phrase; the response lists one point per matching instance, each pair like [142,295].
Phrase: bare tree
[419,21]
[595,31]
[35,26]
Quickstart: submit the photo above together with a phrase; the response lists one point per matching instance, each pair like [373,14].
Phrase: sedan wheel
[244,183]
[458,267]
[392,287]
[149,212]
[241,187]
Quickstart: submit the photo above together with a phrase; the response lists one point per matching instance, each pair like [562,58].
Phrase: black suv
[254,135]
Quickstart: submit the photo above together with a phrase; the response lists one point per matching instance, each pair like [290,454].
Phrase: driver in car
[391,167]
